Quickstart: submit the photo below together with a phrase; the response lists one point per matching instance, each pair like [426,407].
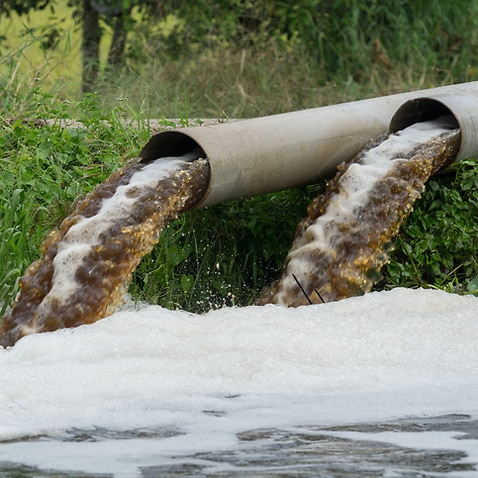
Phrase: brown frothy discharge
[353,264]
[107,266]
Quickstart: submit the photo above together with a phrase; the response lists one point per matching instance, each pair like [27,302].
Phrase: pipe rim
[419,110]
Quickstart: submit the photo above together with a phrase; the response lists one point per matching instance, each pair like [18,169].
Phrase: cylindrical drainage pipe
[272,153]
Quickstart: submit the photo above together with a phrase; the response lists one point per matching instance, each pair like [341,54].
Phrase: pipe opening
[169,143]
[177,144]
[420,110]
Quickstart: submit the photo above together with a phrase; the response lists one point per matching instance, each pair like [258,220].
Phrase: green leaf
[472,286]
[187,282]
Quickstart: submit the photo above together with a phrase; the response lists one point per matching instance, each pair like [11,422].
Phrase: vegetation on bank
[225,254]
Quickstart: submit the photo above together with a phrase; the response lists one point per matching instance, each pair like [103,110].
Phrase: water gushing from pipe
[340,247]
[87,262]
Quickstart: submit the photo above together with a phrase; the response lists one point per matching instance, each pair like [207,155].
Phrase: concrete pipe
[262,155]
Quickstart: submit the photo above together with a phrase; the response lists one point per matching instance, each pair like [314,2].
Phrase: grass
[223,254]
[438,243]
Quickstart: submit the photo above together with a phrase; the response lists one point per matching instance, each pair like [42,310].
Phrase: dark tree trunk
[90,47]
[118,42]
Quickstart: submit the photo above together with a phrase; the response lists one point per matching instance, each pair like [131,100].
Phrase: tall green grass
[299,55]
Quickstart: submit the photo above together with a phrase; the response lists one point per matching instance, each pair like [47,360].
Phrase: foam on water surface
[149,387]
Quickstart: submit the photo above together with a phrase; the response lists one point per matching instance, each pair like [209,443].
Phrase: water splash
[340,247]
[87,262]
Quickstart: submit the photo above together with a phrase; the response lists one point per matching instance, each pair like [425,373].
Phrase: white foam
[382,356]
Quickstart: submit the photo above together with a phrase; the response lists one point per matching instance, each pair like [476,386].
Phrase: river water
[384,384]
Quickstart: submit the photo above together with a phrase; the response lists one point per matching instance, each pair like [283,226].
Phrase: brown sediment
[352,265]
[106,268]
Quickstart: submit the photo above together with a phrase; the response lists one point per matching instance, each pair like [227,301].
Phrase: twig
[302,289]
[320,297]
